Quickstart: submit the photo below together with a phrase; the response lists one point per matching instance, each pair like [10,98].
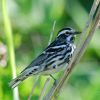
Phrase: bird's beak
[77,33]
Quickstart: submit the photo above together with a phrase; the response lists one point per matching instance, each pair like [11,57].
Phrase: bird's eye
[66,32]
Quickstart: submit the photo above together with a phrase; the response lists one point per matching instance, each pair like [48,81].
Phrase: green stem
[9,39]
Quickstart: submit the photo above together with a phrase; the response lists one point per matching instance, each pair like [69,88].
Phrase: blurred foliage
[32,22]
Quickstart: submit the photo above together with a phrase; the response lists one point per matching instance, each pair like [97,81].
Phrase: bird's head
[67,34]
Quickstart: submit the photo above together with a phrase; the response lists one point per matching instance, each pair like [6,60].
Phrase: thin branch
[78,53]
[33,88]
[9,38]
[90,19]
[98,24]
[91,32]
[51,34]
[48,79]
[44,89]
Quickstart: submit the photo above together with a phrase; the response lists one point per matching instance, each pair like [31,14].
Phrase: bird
[54,57]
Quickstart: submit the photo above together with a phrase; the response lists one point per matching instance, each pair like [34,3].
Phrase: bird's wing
[52,49]
[38,61]
[34,68]
[36,65]
[42,57]
[55,46]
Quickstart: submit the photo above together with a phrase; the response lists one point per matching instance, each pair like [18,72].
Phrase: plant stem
[44,89]
[52,31]
[33,87]
[9,38]
[79,51]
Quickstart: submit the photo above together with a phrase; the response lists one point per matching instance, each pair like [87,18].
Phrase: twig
[44,89]
[91,32]
[51,34]
[33,88]
[99,24]
[92,12]
[9,38]
[48,79]
[76,57]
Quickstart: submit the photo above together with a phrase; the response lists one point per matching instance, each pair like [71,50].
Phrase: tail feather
[15,82]
[23,75]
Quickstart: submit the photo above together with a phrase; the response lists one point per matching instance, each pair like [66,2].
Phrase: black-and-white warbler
[54,58]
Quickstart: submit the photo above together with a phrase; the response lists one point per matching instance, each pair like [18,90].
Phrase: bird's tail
[15,82]
[23,75]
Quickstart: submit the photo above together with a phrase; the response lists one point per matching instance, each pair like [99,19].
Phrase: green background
[31,22]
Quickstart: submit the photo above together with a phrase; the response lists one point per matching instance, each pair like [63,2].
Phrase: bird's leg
[52,77]
[55,81]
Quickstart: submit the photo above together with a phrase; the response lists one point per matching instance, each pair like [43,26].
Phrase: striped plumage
[54,58]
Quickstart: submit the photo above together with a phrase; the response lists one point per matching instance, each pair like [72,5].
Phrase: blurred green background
[31,22]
